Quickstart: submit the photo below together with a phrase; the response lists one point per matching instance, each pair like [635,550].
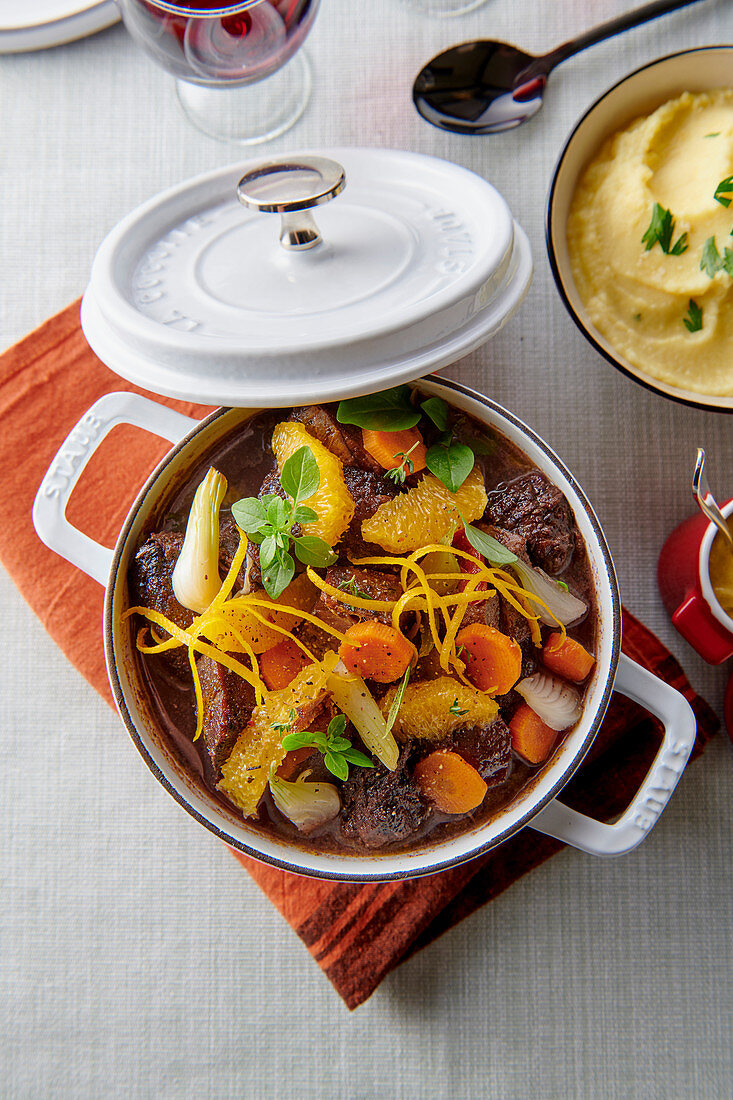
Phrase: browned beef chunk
[151,577]
[486,612]
[536,509]
[506,617]
[271,485]
[228,546]
[370,584]
[228,704]
[318,641]
[381,807]
[151,586]
[369,491]
[512,540]
[487,748]
[513,623]
[343,440]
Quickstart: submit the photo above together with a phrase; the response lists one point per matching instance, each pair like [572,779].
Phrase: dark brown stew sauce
[245,459]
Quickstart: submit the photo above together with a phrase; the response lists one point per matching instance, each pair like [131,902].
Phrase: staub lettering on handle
[664,781]
[77,446]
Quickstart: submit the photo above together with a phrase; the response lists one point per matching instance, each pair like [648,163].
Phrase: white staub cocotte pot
[474,286]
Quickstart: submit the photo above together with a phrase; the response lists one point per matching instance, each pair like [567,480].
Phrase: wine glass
[239,75]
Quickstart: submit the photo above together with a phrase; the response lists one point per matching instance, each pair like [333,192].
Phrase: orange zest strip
[198,693]
[255,601]
[186,639]
[448,655]
[272,626]
[228,582]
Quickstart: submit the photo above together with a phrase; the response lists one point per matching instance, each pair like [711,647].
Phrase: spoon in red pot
[706,500]
[485,87]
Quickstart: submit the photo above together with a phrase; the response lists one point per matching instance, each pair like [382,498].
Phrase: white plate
[51,22]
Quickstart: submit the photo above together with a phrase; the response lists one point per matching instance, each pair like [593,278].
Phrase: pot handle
[678,718]
[54,492]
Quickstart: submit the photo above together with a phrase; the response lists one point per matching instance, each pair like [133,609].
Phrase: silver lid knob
[291,188]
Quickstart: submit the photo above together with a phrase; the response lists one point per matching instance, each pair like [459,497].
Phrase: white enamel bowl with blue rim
[640,93]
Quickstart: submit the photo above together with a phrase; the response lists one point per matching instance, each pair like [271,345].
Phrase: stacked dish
[52,22]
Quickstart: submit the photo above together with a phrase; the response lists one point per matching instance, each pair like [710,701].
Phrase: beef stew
[452,596]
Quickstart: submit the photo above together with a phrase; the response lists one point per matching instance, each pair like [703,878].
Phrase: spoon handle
[607,30]
[706,500]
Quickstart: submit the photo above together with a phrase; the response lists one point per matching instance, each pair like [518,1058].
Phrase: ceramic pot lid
[231,289]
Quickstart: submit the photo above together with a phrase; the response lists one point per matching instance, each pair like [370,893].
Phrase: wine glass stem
[252,113]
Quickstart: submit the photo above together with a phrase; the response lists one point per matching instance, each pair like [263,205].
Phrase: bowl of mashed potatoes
[640,226]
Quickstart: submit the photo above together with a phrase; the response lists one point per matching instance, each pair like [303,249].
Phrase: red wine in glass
[214,43]
[230,60]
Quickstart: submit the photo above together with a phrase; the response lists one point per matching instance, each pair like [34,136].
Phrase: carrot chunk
[390,449]
[493,660]
[449,782]
[567,658]
[532,739]
[281,664]
[376,651]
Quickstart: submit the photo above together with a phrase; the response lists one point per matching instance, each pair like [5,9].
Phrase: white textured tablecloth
[137,959]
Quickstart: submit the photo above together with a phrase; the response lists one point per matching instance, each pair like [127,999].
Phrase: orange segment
[426,514]
[332,501]
[434,708]
[289,709]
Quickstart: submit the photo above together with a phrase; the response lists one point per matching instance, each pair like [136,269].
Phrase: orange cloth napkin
[356,933]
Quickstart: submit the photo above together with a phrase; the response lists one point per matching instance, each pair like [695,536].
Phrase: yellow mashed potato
[638,299]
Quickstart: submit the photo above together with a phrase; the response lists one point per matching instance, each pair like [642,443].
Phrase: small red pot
[683,575]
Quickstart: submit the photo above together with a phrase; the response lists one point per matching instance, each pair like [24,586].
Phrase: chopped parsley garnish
[454,708]
[693,322]
[637,316]
[350,585]
[282,727]
[661,231]
[711,261]
[399,473]
[724,189]
[337,750]
[715,133]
